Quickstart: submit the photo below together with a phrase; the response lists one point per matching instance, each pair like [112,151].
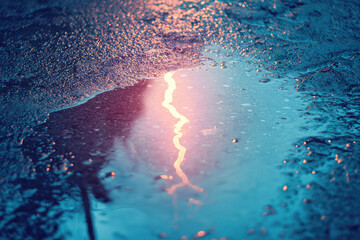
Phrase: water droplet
[266,80]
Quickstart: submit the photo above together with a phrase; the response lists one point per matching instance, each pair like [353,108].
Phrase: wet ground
[179,120]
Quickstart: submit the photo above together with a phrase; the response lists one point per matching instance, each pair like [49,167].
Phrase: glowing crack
[168,98]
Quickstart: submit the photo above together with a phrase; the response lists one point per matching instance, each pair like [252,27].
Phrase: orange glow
[168,98]
[201,234]
[166,177]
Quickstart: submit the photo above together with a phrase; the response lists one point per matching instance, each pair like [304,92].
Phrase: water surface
[268,98]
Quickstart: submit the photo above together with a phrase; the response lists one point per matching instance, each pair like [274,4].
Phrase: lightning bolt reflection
[168,99]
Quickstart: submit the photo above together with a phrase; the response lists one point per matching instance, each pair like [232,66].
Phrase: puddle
[239,130]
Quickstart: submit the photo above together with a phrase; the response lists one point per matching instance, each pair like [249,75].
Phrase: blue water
[270,88]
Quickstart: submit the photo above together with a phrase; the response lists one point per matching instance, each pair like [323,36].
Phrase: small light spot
[201,234]
[235,140]
[113,173]
[285,188]
[163,176]
[194,201]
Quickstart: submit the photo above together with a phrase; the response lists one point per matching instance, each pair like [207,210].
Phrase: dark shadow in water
[63,158]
